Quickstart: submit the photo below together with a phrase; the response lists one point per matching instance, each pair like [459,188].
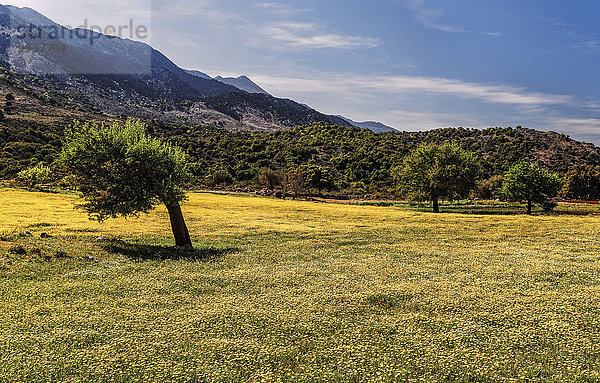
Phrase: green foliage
[121,171]
[318,177]
[359,160]
[269,178]
[432,172]
[36,175]
[488,189]
[582,182]
[531,183]
[218,177]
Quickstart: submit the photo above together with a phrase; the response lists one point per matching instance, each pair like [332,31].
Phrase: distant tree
[269,178]
[431,172]
[530,183]
[582,182]
[293,181]
[318,177]
[36,175]
[218,176]
[488,189]
[121,171]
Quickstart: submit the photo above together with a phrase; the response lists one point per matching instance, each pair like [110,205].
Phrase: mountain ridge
[373,126]
[137,80]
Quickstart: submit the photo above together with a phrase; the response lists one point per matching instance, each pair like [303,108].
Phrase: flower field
[288,291]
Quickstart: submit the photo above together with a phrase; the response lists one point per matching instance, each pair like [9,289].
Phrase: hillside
[362,159]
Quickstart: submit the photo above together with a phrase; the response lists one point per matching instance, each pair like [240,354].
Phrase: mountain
[243,83]
[120,77]
[199,74]
[373,126]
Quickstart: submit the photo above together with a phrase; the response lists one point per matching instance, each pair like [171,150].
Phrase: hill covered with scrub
[361,159]
[358,160]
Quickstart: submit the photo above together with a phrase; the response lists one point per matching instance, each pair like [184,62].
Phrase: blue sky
[412,64]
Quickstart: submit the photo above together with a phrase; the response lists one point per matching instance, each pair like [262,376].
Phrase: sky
[411,64]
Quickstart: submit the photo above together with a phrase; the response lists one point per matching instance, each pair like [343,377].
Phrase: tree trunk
[180,231]
[529,207]
[436,205]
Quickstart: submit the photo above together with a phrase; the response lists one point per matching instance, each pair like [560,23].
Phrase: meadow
[290,291]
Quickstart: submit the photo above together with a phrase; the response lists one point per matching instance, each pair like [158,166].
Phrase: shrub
[36,175]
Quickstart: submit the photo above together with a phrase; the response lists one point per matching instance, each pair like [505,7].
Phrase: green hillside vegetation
[359,161]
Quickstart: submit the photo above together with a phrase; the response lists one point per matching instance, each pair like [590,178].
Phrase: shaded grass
[158,253]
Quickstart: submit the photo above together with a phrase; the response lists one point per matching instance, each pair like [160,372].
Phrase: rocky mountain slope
[123,77]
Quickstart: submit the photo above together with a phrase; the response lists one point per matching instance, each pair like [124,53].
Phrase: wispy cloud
[420,103]
[583,129]
[309,36]
[586,43]
[204,10]
[497,94]
[411,120]
[279,9]
[430,18]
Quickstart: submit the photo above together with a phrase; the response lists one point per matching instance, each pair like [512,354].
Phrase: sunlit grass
[297,291]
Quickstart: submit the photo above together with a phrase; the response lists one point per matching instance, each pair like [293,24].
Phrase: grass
[282,291]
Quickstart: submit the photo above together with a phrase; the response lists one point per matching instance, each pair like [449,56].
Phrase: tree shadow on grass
[159,253]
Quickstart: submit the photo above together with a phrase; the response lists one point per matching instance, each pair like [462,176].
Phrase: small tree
[121,171]
[582,182]
[319,177]
[9,103]
[269,178]
[293,181]
[530,183]
[218,177]
[431,172]
[36,175]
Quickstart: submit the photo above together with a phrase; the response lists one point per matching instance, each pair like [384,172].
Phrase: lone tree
[121,171]
[529,182]
[431,172]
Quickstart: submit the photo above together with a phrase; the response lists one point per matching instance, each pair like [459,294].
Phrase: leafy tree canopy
[431,172]
[121,171]
[582,182]
[531,183]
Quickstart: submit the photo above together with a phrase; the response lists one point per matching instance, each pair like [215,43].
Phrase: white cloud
[279,9]
[585,127]
[430,18]
[310,36]
[586,43]
[408,120]
[498,94]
